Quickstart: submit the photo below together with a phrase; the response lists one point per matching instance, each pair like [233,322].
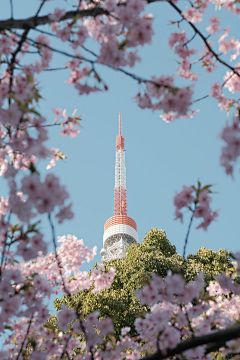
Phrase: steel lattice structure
[120,231]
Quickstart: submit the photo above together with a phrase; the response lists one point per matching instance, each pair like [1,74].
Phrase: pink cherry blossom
[57,112]
[214,27]
[64,34]
[65,316]
[193,15]
[65,213]
[184,198]
[199,205]
[5,45]
[57,15]
[230,153]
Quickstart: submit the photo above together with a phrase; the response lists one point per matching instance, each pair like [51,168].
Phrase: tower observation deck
[120,231]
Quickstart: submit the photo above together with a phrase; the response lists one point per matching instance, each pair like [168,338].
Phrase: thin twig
[56,69]
[206,96]
[40,8]
[11,5]
[202,98]
[4,247]
[189,324]
[28,329]
[65,346]
[186,239]
[55,248]
[190,39]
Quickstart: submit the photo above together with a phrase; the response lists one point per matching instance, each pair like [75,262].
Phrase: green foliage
[155,255]
[209,262]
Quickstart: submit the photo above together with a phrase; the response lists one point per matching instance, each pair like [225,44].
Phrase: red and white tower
[120,231]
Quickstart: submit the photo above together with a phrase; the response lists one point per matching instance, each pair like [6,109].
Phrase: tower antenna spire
[120,124]
[120,190]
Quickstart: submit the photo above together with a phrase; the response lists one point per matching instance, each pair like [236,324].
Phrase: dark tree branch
[35,21]
[215,346]
[214,341]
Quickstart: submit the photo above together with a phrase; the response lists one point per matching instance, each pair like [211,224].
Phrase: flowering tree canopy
[183,318]
[154,255]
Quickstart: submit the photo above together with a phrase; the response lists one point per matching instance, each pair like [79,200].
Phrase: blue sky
[160,157]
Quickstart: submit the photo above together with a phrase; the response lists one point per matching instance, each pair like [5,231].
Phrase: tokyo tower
[120,231]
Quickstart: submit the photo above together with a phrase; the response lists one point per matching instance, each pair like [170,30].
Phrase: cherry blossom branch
[3,254]
[66,291]
[204,40]
[55,249]
[215,341]
[201,98]
[18,49]
[67,355]
[189,323]
[193,37]
[20,67]
[65,347]
[4,247]
[34,21]
[206,96]
[23,342]
[186,239]
[93,62]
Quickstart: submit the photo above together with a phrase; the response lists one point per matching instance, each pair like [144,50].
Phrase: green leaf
[8,327]
[26,287]
[33,169]
[33,342]
[34,112]
[220,356]
[32,227]
[122,44]
[231,269]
